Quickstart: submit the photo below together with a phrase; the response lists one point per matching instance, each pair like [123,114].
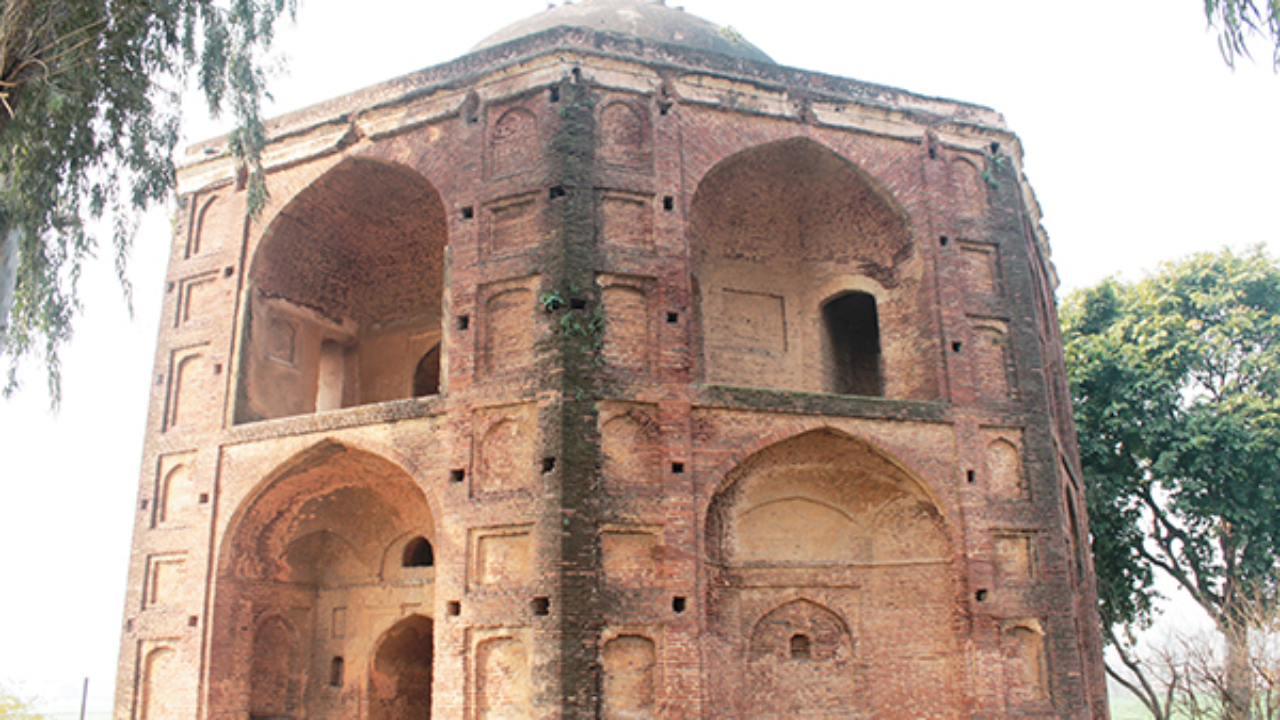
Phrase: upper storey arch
[797,202]
[806,272]
[345,295]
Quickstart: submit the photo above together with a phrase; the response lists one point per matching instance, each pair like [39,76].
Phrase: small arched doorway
[401,673]
[851,345]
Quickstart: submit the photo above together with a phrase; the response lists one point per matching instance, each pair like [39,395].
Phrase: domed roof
[645,19]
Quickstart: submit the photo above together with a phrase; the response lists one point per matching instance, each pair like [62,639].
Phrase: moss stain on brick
[577,336]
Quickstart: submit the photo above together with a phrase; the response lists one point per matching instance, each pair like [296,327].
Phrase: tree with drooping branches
[89,118]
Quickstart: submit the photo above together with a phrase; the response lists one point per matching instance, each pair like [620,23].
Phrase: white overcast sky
[1142,146]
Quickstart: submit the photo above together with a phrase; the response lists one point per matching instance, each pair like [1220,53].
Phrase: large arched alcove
[320,546]
[769,228]
[345,295]
[832,582]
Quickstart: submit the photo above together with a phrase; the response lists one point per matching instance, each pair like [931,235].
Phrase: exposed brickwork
[750,404]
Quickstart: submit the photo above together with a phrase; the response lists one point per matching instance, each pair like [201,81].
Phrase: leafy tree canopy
[1176,385]
[1238,20]
[89,117]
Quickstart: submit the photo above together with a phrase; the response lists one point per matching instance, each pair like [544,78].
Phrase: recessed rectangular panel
[753,321]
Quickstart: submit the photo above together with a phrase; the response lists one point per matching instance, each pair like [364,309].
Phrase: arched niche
[826,510]
[822,498]
[402,672]
[629,688]
[773,229]
[801,663]
[797,202]
[310,545]
[275,677]
[513,142]
[345,294]
[624,135]
[159,666]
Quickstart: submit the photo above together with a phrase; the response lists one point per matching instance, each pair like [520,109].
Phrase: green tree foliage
[89,117]
[13,707]
[1176,385]
[1238,20]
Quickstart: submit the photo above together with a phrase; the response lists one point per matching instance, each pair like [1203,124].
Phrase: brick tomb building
[613,370]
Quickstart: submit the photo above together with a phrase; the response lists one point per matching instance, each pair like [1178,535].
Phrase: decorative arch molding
[829,634]
[626,135]
[513,142]
[724,474]
[327,466]
[822,498]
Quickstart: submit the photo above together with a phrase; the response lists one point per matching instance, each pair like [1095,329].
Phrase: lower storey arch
[832,588]
[331,566]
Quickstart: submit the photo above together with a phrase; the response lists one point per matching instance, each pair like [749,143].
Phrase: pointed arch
[801,663]
[629,665]
[625,136]
[309,542]
[402,672]
[968,188]
[825,634]
[824,513]
[158,667]
[354,262]
[823,497]
[176,495]
[796,200]
[834,446]
[772,226]
[331,488]
[275,677]
[513,142]
[630,451]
